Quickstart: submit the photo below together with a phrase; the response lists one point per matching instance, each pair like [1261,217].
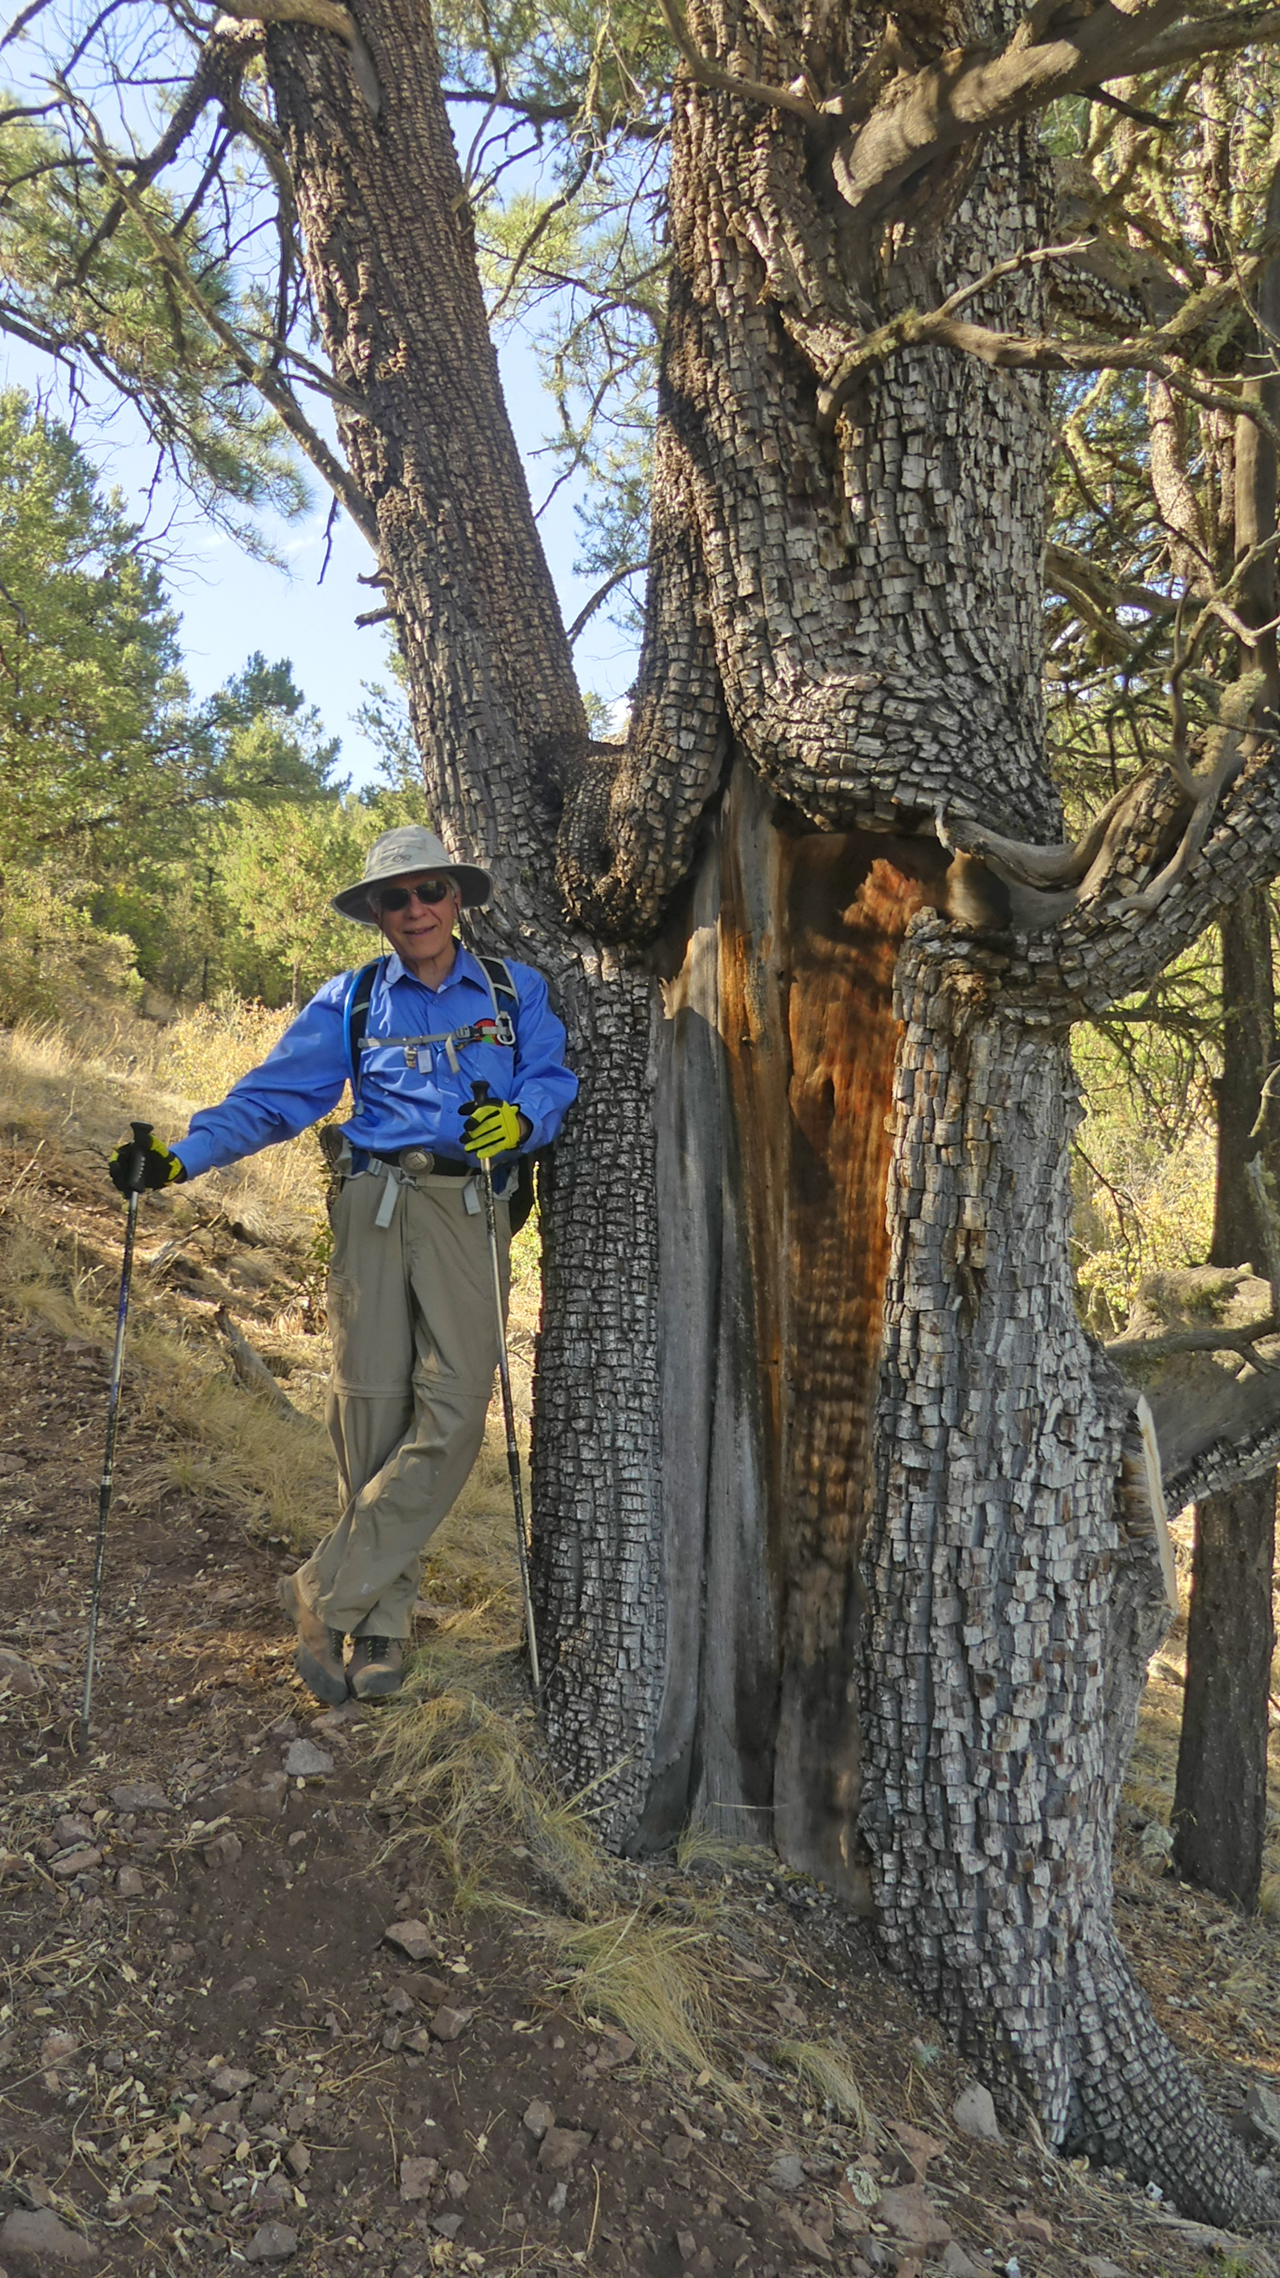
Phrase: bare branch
[260,375]
[327,16]
[709,74]
[601,594]
[969,92]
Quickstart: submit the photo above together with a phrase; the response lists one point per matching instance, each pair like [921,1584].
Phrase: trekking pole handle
[142,1134]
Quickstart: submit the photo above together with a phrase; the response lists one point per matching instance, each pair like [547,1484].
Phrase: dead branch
[252,1370]
[327,16]
[257,373]
[217,75]
[1139,1349]
[710,74]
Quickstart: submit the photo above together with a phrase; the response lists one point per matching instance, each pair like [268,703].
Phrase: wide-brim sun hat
[397,854]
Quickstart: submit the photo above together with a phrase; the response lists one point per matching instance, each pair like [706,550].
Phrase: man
[415,1338]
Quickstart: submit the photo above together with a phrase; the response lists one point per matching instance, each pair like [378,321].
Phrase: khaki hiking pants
[415,1347]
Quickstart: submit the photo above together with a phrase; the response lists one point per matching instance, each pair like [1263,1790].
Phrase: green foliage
[53,959]
[143,836]
[103,301]
[278,869]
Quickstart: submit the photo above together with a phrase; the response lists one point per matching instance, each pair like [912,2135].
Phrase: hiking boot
[377,1667]
[318,1659]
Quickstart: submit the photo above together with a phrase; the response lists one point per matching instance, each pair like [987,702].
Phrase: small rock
[615,2048]
[1099,2267]
[956,2263]
[230,2081]
[974,2113]
[537,2118]
[1027,2224]
[129,1883]
[17,1675]
[140,1795]
[72,1829]
[413,1939]
[275,2242]
[417,2177]
[786,2173]
[810,2239]
[456,2184]
[560,2147]
[37,2245]
[297,2159]
[915,2150]
[334,1724]
[81,1861]
[911,2216]
[304,1761]
[449,2022]
[1263,2108]
[214,2152]
[56,2048]
[224,1850]
[686,2246]
[558,2199]
[447,2225]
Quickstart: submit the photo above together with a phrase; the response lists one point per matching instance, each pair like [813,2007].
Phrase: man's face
[418,930]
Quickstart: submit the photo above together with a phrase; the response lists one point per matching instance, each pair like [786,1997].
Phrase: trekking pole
[141,1141]
[509,1412]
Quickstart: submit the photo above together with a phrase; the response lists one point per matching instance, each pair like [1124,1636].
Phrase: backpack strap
[355,1018]
[497,973]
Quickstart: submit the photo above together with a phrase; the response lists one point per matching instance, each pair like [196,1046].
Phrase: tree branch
[1153,351]
[327,16]
[602,592]
[709,74]
[1138,1349]
[971,91]
[259,375]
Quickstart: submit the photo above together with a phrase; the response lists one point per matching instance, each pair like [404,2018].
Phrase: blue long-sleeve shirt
[400,1104]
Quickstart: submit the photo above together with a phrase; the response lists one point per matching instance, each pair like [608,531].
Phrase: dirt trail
[211,2051]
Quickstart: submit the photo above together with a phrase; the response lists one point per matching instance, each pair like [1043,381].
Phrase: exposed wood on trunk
[774,1064]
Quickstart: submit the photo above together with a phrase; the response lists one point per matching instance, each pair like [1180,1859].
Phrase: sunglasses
[429,892]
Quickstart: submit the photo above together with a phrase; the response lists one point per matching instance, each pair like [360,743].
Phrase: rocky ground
[266,2000]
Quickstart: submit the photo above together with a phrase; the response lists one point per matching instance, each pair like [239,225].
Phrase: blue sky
[232,605]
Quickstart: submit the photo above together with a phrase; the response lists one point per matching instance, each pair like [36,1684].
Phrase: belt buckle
[417,1161]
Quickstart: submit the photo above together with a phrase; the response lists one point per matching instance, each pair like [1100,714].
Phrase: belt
[418,1159]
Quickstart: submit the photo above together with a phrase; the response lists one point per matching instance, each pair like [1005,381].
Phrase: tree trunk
[1220,1807]
[774,1330]
[1220,1798]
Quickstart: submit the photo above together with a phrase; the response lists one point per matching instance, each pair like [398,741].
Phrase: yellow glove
[139,1164]
[494,1127]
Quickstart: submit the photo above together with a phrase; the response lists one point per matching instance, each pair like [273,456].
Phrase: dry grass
[653,1978]
[65,1100]
[467,1766]
[825,2071]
